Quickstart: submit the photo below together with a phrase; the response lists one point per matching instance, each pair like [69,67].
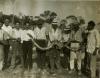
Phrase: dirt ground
[19,73]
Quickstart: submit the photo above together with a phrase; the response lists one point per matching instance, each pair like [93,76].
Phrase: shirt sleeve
[97,35]
[60,35]
[21,36]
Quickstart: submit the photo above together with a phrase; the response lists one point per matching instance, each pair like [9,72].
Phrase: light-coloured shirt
[65,37]
[7,30]
[1,34]
[24,36]
[40,33]
[16,33]
[76,36]
[31,32]
[93,40]
[55,34]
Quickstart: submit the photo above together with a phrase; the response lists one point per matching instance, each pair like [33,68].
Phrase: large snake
[48,47]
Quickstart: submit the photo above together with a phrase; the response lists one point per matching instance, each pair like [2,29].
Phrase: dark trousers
[27,54]
[54,57]
[41,55]
[6,52]
[65,58]
[16,51]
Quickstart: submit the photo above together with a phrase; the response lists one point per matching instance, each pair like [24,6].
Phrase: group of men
[53,40]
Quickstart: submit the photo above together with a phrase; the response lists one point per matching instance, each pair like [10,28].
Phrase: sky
[90,10]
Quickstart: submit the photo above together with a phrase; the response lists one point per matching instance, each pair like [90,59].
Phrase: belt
[75,42]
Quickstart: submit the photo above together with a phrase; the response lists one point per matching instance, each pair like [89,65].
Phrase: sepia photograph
[49,38]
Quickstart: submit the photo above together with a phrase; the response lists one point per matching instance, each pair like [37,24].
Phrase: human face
[54,26]
[17,25]
[7,22]
[89,27]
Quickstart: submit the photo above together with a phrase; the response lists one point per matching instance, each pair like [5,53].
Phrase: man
[15,45]
[93,44]
[1,46]
[27,47]
[41,40]
[76,52]
[66,51]
[55,37]
[8,31]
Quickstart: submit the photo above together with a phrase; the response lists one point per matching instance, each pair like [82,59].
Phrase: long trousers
[92,64]
[1,56]
[65,59]
[54,57]
[15,51]
[41,55]
[27,54]
[79,57]
[6,52]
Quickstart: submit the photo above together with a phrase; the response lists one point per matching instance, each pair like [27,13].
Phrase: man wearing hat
[76,52]
[41,40]
[55,37]
[65,39]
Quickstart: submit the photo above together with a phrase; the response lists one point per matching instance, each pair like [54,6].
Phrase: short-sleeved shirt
[7,30]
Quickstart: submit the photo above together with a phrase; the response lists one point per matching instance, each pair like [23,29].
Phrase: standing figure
[76,52]
[15,46]
[1,47]
[93,44]
[55,38]
[27,47]
[8,31]
[41,40]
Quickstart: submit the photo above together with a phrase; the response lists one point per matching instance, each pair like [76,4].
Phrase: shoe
[79,73]
[54,74]
[71,71]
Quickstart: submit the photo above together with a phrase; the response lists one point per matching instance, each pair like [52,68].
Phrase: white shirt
[24,36]
[76,36]
[65,37]
[31,32]
[7,30]
[55,34]
[1,34]
[16,33]
[93,40]
[40,33]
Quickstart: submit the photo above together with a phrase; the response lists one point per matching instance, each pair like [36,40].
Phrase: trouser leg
[72,59]
[51,59]
[52,63]
[29,55]
[57,59]
[1,56]
[79,64]
[93,66]
[20,49]
[24,46]
[66,57]
[6,52]
[14,52]
[41,54]
[1,65]
[13,60]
